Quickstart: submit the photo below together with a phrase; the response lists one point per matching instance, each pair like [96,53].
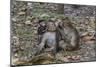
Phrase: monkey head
[51,26]
[67,24]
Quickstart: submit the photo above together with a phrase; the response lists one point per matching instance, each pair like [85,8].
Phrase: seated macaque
[41,29]
[69,35]
[49,38]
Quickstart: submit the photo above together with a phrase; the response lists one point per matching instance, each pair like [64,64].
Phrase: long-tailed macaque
[69,35]
[49,38]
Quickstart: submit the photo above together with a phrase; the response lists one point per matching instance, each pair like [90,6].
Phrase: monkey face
[51,26]
[67,25]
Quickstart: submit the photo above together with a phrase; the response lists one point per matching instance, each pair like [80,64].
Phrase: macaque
[49,38]
[69,35]
[41,29]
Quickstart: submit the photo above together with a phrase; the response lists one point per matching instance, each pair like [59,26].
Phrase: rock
[35,31]
[90,42]
[21,13]
[76,57]
[64,59]
[36,20]
[14,19]
[22,9]
[29,4]
[42,58]
[28,22]
[46,62]
[16,55]
[35,28]
[86,38]
[15,37]
[84,34]
[15,61]
[19,25]
[44,15]
[60,57]
[53,19]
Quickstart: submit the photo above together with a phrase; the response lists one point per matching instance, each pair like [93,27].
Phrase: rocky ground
[24,18]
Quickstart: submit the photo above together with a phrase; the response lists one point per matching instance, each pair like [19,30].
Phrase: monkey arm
[63,35]
[41,45]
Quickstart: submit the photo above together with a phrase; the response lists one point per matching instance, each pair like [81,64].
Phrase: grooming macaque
[69,35]
[41,29]
[49,38]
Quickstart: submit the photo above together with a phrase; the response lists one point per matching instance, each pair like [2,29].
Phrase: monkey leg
[66,46]
[40,47]
[71,47]
[53,49]
[42,44]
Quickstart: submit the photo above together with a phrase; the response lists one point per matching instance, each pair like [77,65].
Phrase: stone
[21,13]
[28,22]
